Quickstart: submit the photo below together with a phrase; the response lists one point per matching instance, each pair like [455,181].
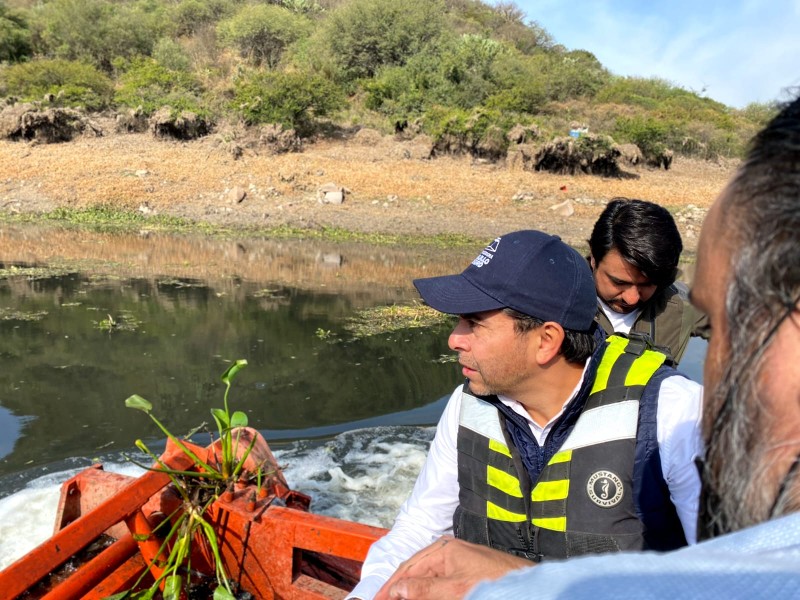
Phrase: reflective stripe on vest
[504,487]
[601,424]
[609,418]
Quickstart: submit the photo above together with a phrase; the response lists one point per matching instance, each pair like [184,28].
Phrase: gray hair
[762,209]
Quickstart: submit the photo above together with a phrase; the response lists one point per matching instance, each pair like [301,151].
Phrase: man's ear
[592,262]
[551,336]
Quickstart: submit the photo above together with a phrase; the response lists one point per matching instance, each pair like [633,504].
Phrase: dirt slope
[390,186]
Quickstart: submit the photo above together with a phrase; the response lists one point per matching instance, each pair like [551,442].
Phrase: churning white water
[362,475]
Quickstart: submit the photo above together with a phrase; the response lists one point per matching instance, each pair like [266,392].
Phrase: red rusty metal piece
[270,545]
[78,534]
[95,571]
[122,579]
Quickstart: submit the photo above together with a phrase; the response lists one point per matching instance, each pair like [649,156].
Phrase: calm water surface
[65,374]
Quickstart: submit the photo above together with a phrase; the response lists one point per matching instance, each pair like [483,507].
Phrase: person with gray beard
[748,283]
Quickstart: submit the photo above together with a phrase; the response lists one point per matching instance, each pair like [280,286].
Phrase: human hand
[448,568]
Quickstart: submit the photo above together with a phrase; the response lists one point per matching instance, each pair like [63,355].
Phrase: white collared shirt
[428,512]
[621,322]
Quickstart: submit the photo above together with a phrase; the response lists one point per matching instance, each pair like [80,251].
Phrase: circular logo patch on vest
[605,489]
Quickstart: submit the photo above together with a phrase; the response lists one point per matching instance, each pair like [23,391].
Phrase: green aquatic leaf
[222,419]
[139,403]
[172,587]
[239,419]
[228,375]
[222,594]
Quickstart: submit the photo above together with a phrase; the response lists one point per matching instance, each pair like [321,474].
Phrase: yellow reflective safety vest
[601,491]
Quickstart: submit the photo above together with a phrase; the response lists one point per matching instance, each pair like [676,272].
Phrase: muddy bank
[389,187]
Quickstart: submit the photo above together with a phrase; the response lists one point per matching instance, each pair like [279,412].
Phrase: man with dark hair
[748,283]
[559,442]
[635,248]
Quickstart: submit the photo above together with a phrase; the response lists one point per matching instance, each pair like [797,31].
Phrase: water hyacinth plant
[199,488]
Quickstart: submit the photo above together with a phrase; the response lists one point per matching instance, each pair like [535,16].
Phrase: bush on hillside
[98,31]
[466,72]
[365,35]
[293,99]
[148,86]
[172,55]
[15,36]
[649,134]
[574,74]
[189,16]
[68,83]
[260,33]
[480,133]
[504,19]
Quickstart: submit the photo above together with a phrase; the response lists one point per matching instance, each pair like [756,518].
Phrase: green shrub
[639,91]
[396,91]
[760,113]
[520,84]
[293,99]
[171,55]
[305,7]
[99,31]
[74,83]
[261,33]
[15,35]
[149,85]
[480,132]
[465,72]
[650,134]
[365,35]
[188,16]
[575,74]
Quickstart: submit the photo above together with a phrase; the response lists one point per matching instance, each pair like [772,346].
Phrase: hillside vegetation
[475,78]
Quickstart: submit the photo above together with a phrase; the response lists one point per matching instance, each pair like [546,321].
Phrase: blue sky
[738,51]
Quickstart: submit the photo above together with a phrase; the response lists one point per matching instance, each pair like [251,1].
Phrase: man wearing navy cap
[559,443]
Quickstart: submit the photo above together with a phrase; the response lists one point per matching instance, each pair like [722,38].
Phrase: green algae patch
[18,315]
[387,319]
[34,273]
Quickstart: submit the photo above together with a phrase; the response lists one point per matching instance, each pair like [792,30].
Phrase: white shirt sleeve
[679,416]
[428,512]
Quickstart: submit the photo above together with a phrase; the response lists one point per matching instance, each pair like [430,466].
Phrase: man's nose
[631,296]
[457,340]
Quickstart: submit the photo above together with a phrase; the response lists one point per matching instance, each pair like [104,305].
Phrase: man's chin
[479,389]
[622,309]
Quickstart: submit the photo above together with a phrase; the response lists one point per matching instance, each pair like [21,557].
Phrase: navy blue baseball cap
[531,272]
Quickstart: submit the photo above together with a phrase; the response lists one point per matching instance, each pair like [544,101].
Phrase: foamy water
[362,475]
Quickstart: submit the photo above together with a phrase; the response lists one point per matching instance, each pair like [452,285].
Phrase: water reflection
[80,336]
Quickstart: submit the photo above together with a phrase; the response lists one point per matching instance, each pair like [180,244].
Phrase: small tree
[262,32]
[15,36]
[189,16]
[364,35]
[98,31]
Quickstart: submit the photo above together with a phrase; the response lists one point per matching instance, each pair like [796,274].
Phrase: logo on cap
[486,254]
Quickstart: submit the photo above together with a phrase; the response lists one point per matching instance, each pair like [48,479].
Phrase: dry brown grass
[392,189]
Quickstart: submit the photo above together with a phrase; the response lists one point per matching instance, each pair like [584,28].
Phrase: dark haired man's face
[619,284]
[493,356]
